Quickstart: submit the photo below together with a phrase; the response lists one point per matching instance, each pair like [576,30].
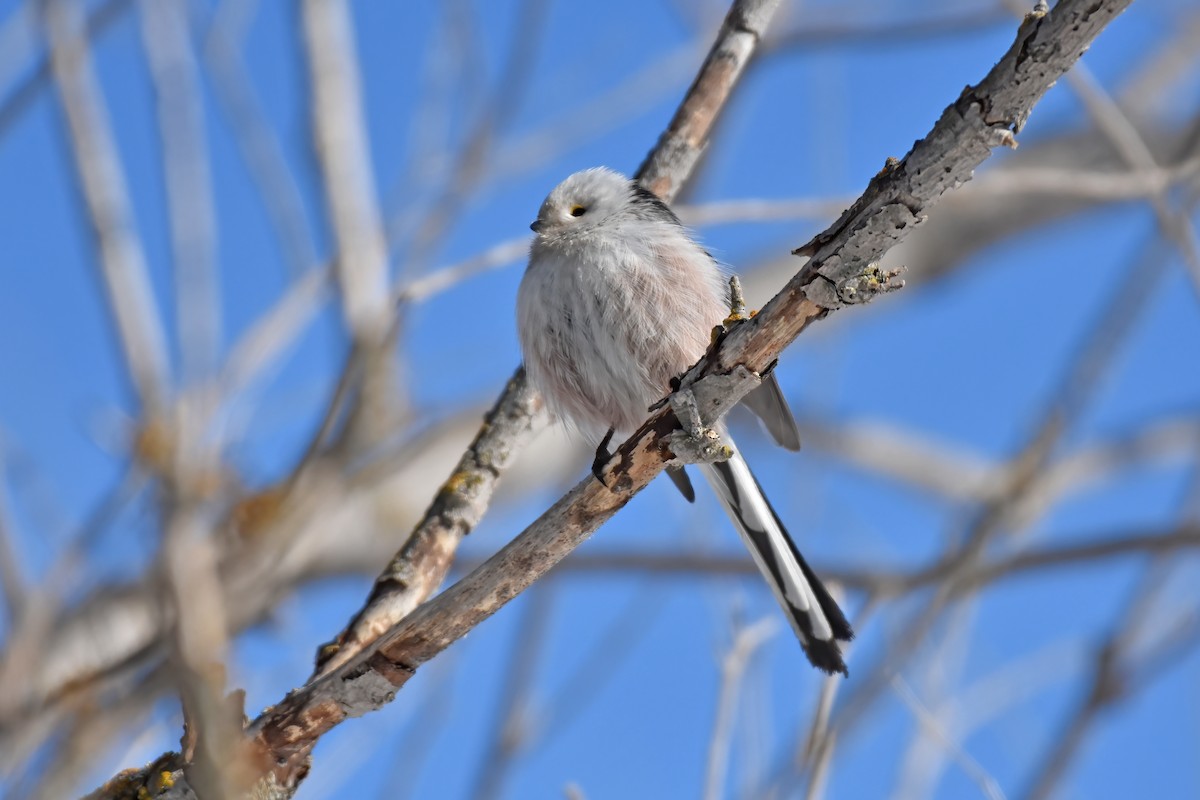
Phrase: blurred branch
[343,155]
[188,182]
[420,566]
[84,656]
[263,343]
[910,28]
[257,143]
[729,212]
[365,385]
[725,212]
[1148,85]
[819,731]
[1087,171]
[988,785]
[48,658]
[514,721]
[12,580]
[746,642]
[471,162]
[1096,547]
[1128,142]
[1099,185]
[946,472]
[1118,672]
[99,20]
[951,573]
[440,280]
[595,116]
[102,183]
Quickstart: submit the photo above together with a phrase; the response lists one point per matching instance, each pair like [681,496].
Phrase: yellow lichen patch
[252,514]
[154,445]
[328,651]
[888,165]
[166,780]
[460,482]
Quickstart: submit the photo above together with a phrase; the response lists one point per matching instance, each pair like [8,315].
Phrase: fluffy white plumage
[617,300]
[613,301]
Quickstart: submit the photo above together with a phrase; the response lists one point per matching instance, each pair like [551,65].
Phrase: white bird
[617,300]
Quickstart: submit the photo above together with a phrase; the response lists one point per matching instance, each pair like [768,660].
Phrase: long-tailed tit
[616,301]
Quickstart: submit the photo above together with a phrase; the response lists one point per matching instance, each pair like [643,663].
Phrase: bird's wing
[768,404]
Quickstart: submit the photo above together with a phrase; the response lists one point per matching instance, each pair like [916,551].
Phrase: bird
[617,300]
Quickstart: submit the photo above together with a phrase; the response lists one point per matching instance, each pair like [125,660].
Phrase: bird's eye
[577,211]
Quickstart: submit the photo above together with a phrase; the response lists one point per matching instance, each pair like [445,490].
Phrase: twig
[99,20]
[987,783]
[907,30]
[12,579]
[717,213]
[1089,184]
[438,281]
[469,167]
[728,212]
[1109,118]
[819,732]
[686,136]
[192,590]
[277,328]
[1094,355]
[257,143]
[342,153]
[746,643]
[513,723]
[1110,683]
[422,563]
[189,183]
[102,184]
[1095,548]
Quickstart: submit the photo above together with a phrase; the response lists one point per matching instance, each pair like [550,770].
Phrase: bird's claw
[603,454]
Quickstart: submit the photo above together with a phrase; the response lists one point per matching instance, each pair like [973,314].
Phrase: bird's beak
[536,226]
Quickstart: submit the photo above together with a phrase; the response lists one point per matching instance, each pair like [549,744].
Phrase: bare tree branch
[258,145]
[1097,547]
[188,181]
[99,19]
[102,183]
[988,785]
[343,154]
[746,643]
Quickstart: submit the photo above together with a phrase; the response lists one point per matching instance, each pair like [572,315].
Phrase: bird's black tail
[814,614]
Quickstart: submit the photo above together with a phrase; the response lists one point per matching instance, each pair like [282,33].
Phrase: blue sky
[969,361]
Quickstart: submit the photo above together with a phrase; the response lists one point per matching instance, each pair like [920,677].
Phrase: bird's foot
[603,454]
